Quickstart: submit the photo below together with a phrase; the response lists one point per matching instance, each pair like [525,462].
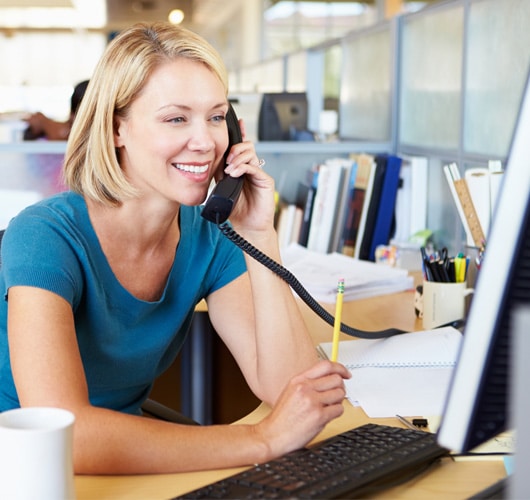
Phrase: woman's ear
[117,137]
[243,129]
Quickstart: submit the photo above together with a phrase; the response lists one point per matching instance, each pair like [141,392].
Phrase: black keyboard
[360,461]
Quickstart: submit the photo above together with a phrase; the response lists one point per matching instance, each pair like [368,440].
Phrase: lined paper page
[434,348]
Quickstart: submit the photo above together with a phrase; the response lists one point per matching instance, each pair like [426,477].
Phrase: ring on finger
[261,163]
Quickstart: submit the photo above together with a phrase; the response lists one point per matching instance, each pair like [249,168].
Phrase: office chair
[150,407]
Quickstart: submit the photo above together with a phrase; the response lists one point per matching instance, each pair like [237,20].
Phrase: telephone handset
[221,201]
[217,209]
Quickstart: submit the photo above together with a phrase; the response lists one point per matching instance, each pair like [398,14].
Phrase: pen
[406,423]
[338,320]
[451,270]
[426,265]
[442,268]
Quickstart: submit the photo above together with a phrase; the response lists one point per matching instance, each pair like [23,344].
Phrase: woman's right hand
[309,401]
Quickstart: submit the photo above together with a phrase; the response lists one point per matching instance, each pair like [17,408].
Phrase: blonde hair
[91,165]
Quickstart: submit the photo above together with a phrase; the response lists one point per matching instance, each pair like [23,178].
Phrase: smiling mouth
[194,169]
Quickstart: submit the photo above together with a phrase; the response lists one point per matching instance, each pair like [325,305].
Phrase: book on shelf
[371,207]
[305,198]
[289,224]
[352,219]
[406,374]
[346,192]
[411,199]
[325,206]
[385,218]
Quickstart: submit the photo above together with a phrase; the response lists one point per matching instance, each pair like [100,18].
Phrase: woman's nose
[201,138]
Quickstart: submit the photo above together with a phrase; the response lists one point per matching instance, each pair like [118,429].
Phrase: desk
[448,480]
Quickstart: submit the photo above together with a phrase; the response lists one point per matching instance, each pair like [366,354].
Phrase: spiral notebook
[436,348]
[407,374]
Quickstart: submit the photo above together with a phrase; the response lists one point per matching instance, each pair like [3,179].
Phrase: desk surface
[449,479]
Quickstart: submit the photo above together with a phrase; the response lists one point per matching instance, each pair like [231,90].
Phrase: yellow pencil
[338,320]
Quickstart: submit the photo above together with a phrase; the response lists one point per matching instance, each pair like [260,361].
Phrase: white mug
[443,303]
[36,454]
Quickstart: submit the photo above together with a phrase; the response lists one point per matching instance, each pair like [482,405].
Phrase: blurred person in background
[42,127]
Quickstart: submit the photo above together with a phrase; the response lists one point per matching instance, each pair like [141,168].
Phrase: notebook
[407,374]
[436,348]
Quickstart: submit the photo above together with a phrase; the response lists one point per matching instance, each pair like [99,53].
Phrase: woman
[102,281]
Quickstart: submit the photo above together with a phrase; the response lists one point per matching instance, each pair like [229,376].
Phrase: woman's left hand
[254,211]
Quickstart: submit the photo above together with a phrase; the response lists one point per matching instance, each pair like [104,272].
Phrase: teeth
[191,168]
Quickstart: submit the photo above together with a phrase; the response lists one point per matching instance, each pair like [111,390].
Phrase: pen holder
[443,303]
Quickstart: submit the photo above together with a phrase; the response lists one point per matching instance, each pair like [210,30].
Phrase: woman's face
[175,134]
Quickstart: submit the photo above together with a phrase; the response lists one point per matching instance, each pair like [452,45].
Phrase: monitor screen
[477,406]
[283,117]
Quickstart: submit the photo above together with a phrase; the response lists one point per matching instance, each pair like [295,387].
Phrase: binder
[387,205]
[373,207]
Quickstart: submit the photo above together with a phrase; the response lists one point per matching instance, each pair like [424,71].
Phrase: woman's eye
[177,119]
[219,118]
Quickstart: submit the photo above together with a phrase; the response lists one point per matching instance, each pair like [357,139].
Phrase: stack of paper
[407,374]
[319,274]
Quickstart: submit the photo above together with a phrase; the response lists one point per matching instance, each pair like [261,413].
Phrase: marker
[338,320]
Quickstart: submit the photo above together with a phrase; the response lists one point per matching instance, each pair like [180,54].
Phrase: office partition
[431,77]
[497,61]
[296,71]
[367,84]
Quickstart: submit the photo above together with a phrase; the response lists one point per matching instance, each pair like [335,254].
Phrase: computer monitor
[283,117]
[478,402]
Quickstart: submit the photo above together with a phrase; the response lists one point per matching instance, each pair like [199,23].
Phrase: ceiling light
[176,16]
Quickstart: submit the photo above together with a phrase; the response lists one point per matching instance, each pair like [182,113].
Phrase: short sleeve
[37,251]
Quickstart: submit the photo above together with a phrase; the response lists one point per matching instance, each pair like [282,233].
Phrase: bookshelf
[21,163]
[289,162]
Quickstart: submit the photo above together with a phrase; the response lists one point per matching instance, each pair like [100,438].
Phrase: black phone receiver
[223,198]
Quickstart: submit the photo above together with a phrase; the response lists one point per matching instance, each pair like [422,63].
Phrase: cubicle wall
[367,104]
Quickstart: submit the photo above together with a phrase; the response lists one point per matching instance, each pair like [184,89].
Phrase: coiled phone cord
[289,277]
